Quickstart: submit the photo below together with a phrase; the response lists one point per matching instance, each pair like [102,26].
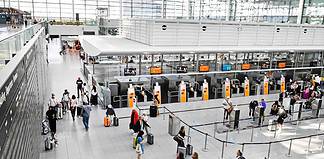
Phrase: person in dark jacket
[181,134]
[79,83]
[110,112]
[139,125]
[252,106]
[51,116]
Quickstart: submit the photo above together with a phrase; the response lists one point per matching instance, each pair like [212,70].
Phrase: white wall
[190,32]
[71,29]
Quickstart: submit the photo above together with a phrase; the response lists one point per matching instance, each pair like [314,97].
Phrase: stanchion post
[252,133]
[164,113]
[322,145]
[222,154]
[243,148]
[309,143]
[269,151]
[226,138]
[205,147]
[215,129]
[275,133]
[289,150]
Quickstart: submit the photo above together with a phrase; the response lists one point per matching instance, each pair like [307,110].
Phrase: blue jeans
[86,122]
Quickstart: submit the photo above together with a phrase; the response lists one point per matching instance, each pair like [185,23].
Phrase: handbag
[177,138]
[138,149]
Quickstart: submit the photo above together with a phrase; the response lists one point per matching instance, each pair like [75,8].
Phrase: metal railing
[242,145]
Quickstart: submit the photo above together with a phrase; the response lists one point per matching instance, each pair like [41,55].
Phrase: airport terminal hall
[161,79]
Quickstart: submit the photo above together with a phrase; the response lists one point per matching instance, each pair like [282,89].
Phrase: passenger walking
[263,106]
[228,107]
[74,104]
[138,125]
[51,116]
[86,115]
[53,102]
[179,138]
[139,144]
[195,155]
[252,106]
[79,83]
[282,116]
[94,96]
[66,100]
[134,118]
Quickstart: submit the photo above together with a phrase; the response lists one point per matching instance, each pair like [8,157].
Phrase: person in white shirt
[73,105]
[53,102]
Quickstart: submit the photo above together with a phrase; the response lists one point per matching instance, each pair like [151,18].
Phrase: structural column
[300,11]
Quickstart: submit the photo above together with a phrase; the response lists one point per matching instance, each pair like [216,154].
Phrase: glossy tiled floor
[115,142]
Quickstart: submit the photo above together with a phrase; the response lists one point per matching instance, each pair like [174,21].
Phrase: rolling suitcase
[116,121]
[48,143]
[150,138]
[79,110]
[153,111]
[107,121]
[59,113]
[189,149]
[182,150]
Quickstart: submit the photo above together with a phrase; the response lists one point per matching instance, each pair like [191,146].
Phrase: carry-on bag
[107,121]
[116,121]
[150,138]
[153,111]
[49,143]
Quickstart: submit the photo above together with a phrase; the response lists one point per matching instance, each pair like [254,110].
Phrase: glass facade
[278,11]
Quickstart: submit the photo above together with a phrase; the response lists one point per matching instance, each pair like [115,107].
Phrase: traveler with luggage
[73,107]
[53,102]
[228,107]
[94,96]
[239,155]
[134,119]
[179,138]
[282,116]
[86,115]
[51,116]
[139,144]
[79,83]
[274,108]
[109,113]
[65,100]
[263,106]
[253,104]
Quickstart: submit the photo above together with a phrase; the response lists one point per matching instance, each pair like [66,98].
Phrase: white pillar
[300,11]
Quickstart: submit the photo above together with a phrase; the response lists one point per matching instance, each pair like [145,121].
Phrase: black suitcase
[150,139]
[189,149]
[79,111]
[116,121]
[153,111]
